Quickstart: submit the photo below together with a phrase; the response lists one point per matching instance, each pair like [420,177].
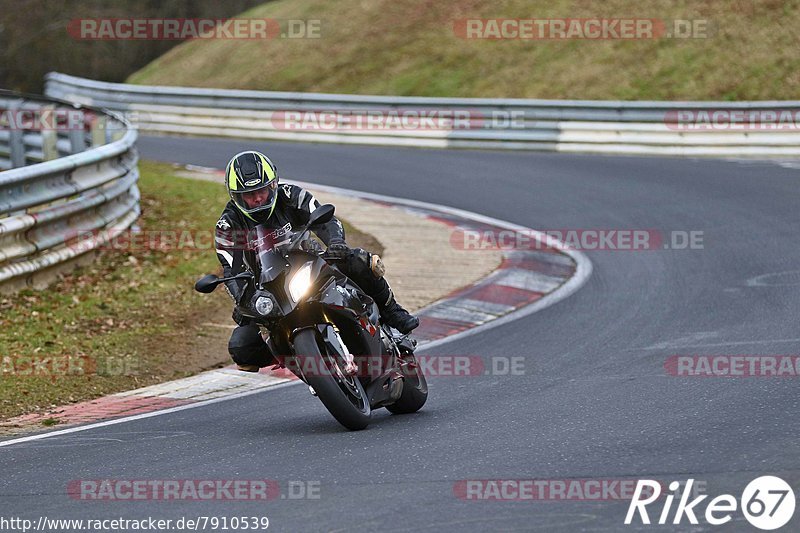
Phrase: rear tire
[351,412]
[415,390]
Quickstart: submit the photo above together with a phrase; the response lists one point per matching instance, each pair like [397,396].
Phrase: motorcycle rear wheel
[415,389]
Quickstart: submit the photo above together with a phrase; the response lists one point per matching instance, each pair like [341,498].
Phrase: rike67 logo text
[767,503]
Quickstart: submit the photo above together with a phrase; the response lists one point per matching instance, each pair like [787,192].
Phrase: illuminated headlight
[264,305]
[301,282]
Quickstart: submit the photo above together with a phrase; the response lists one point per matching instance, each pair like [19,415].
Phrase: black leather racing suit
[293,207]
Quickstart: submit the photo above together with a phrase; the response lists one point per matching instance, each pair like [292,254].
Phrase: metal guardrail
[633,127]
[61,178]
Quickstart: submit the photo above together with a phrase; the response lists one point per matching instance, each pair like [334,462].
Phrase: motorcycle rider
[257,198]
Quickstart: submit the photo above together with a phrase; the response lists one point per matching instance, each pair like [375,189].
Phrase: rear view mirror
[207,284]
[321,215]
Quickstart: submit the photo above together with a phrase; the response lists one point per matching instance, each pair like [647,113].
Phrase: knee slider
[365,263]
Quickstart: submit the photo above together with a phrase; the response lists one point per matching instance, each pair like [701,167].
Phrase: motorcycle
[328,327]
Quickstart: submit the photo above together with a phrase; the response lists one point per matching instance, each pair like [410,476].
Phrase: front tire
[344,398]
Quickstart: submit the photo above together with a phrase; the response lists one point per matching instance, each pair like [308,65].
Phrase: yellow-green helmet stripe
[267,167]
[232,181]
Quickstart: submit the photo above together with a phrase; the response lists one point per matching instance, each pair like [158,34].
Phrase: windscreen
[270,246]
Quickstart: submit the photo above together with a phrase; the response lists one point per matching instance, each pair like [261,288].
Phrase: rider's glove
[337,249]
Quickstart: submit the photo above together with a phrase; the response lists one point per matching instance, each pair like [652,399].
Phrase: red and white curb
[525,282]
[209,385]
[523,277]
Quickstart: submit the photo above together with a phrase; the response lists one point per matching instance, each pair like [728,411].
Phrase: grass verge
[747,50]
[129,319]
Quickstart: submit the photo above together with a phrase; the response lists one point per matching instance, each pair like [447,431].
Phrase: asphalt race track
[594,400]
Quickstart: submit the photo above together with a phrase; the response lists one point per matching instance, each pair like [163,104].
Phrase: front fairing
[277,256]
[331,298]
[344,295]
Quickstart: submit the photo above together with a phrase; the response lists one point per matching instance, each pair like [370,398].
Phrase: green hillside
[410,48]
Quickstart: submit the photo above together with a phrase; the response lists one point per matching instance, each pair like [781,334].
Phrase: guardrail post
[98,130]
[115,130]
[49,137]
[76,134]
[15,141]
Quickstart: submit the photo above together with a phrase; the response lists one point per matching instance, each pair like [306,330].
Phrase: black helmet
[252,182]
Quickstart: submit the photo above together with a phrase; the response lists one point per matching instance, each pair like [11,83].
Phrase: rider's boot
[392,313]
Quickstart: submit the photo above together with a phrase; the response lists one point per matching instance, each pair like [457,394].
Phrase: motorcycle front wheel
[342,395]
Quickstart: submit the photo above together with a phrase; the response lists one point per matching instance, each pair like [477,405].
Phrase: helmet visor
[254,200]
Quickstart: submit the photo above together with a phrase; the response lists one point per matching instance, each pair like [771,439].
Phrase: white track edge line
[131,418]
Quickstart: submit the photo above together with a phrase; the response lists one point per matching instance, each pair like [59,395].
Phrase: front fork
[333,345]
[334,341]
